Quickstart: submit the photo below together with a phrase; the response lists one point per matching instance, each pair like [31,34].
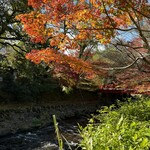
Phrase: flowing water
[45,138]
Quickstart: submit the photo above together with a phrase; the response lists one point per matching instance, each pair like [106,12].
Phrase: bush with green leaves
[123,128]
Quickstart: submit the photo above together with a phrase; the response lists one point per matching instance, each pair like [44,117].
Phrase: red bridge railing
[123,91]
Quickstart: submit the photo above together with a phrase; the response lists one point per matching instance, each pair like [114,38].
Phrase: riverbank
[20,116]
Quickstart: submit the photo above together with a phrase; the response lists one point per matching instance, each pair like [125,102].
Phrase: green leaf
[144,143]
[133,124]
[135,137]
[119,122]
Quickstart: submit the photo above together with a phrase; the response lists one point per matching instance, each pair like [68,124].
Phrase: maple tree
[72,28]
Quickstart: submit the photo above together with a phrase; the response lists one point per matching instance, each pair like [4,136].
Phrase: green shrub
[126,128]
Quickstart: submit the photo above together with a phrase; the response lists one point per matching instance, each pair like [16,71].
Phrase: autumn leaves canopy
[70,27]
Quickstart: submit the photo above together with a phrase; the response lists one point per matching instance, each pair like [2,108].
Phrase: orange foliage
[66,24]
[49,56]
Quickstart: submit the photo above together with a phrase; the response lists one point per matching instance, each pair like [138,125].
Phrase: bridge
[143,89]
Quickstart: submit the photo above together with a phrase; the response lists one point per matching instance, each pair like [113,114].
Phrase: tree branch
[125,67]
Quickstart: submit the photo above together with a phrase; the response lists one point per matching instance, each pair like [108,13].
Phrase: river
[45,138]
